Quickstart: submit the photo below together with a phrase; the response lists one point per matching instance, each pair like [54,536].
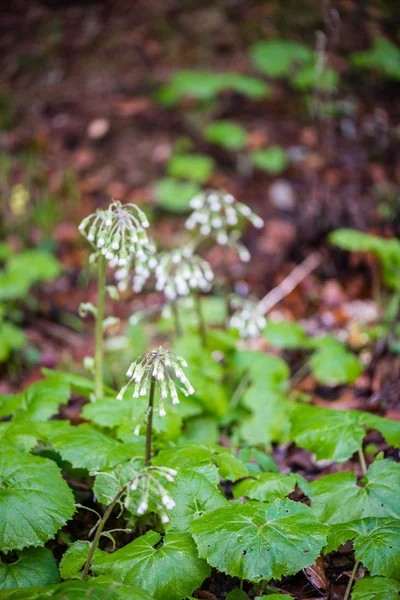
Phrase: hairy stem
[362,462]
[99,341]
[350,584]
[98,533]
[149,423]
[202,326]
[175,314]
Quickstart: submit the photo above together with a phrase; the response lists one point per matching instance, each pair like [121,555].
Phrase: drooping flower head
[148,484]
[119,233]
[248,317]
[162,368]
[180,272]
[144,487]
[218,214]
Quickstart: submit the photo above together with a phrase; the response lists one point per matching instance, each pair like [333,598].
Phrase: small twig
[299,374]
[290,282]
[350,584]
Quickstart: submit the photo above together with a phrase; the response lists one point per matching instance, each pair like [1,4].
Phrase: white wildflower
[179,273]
[218,214]
[119,234]
[248,318]
[163,369]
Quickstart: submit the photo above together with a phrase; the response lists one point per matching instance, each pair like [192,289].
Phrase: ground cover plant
[199,300]
[189,507]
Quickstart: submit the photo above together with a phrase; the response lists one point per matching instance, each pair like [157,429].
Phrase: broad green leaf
[175,195]
[203,430]
[285,334]
[278,57]
[174,566]
[9,404]
[35,501]
[383,56]
[332,364]
[205,86]
[25,269]
[22,435]
[257,460]
[257,541]
[331,434]
[41,400]
[195,167]
[337,498]
[11,338]
[78,384]
[388,428]
[273,159]
[248,86]
[34,566]
[109,412]
[194,495]
[190,455]
[35,264]
[269,419]
[205,375]
[265,370]
[95,589]
[73,560]
[86,447]
[266,486]
[228,134]
[376,588]
[376,544]
[165,429]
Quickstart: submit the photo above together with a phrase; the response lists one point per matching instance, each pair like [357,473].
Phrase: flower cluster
[150,490]
[218,214]
[119,233]
[160,367]
[248,317]
[144,487]
[179,272]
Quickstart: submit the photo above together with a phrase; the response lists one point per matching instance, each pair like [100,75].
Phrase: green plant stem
[362,462]
[202,326]
[175,314]
[99,339]
[350,584]
[98,533]
[149,423]
[227,281]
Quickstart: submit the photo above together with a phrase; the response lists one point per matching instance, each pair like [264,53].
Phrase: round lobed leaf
[376,588]
[337,498]
[174,566]
[193,494]
[256,541]
[95,589]
[35,501]
[35,566]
